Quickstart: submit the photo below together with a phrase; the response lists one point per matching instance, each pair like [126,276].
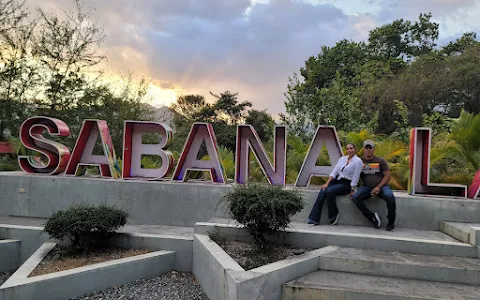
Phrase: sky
[247,46]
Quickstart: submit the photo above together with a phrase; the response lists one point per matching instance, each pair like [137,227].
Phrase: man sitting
[375,176]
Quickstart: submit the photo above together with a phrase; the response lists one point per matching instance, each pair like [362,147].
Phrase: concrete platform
[326,285]
[401,240]
[394,264]
[184,204]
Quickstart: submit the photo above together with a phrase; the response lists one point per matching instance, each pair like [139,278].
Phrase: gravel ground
[168,286]
[4,276]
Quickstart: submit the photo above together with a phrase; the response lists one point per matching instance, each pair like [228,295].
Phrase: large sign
[58,160]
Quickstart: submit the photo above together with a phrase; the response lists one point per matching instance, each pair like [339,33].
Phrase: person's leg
[316,212]
[362,194]
[386,194]
[332,192]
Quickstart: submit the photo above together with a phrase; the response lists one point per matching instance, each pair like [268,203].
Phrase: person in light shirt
[342,181]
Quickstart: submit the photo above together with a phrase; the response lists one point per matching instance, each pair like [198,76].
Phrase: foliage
[84,225]
[263,209]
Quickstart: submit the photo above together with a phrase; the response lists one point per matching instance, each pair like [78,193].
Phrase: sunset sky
[249,47]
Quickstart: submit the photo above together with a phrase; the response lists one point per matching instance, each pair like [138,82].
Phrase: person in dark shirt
[375,177]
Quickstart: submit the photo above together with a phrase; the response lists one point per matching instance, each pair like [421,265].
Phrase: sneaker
[376,220]
[310,221]
[390,226]
[334,221]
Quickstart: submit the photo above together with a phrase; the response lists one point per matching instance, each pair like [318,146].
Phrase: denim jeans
[386,194]
[334,189]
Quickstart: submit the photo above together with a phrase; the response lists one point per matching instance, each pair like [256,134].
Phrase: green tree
[262,122]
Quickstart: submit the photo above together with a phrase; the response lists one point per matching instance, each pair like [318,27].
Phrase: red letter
[419,179]
[31,137]
[188,160]
[82,153]
[326,134]
[133,149]
[247,139]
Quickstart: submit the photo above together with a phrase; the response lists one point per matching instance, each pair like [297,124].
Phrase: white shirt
[351,171]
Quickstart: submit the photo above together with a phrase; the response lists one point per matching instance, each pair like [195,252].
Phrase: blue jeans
[386,194]
[334,189]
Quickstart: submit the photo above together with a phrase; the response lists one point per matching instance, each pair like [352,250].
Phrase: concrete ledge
[184,204]
[9,255]
[402,240]
[28,266]
[182,246]
[223,279]
[30,239]
[84,280]
[460,231]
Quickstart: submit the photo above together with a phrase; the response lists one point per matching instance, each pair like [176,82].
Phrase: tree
[67,47]
[262,122]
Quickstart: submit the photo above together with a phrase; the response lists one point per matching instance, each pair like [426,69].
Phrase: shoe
[310,221]
[334,221]
[376,220]
[390,226]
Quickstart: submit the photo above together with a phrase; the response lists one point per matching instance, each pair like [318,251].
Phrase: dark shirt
[372,172]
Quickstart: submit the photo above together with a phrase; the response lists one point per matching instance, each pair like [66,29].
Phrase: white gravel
[4,276]
[168,286]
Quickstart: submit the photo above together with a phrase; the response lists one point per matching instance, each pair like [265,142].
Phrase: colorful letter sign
[200,133]
[419,179]
[247,139]
[83,156]
[133,149]
[56,154]
[325,135]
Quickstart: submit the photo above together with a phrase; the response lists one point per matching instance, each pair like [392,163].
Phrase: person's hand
[324,186]
[352,192]
[375,191]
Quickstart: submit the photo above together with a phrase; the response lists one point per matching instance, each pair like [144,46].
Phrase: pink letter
[474,188]
[188,160]
[82,153]
[419,179]
[31,137]
[247,139]
[133,149]
[327,135]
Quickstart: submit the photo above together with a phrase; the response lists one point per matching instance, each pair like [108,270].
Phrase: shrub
[263,209]
[84,225]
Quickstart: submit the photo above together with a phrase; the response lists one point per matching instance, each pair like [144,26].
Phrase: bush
[84,225]
[263,209]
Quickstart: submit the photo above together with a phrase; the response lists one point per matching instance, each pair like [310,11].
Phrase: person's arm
[356,175]
[386,178]
[326,184]
[333,174]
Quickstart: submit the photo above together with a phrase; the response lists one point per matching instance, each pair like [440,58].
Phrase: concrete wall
[30,239]
[183,204]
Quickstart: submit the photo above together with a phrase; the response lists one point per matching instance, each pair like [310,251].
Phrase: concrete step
[461,231]
[393,264]
[401,240]
[326,285]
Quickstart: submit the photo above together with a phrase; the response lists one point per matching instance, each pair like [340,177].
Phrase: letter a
[326,134]
[200,132]
[82,153]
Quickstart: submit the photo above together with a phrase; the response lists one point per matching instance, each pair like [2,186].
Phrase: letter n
[83,156]
[56,154]
[199,133]
[133,149]
[325,135]
[419,178]
[247,139]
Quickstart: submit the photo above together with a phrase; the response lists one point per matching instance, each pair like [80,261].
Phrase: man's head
[368,148]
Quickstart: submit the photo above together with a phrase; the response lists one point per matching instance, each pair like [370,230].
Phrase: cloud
[250,47]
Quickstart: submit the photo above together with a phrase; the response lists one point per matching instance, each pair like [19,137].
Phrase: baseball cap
[369,143]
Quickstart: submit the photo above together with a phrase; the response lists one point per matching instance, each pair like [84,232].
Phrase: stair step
[393,264]
[461,231]
[326,285]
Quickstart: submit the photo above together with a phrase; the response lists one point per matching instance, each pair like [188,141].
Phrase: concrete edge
[218,253]
[11,249]
[80,281]
[29,265]
[455,231]
[38,228]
